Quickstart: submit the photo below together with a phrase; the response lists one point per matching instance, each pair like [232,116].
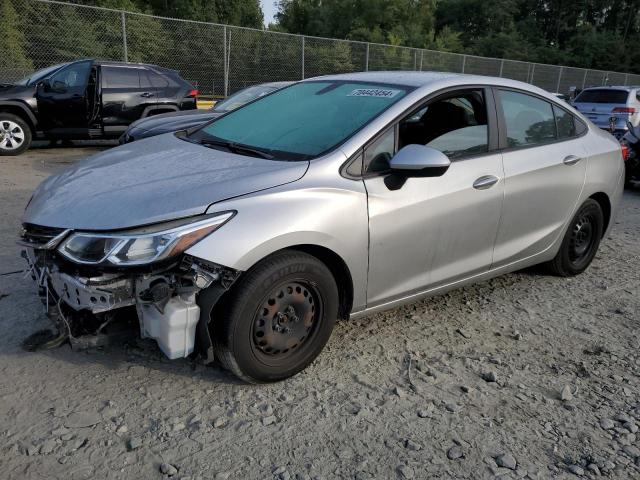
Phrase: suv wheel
[581,241]
[278,319]
[15,135]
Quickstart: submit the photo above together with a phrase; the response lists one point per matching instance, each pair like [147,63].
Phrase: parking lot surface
[523,376]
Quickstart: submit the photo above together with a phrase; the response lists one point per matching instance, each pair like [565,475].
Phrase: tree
[16,64]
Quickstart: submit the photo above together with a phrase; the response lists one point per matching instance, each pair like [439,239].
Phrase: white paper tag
[374,92]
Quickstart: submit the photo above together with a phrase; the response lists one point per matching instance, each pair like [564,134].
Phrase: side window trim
[502,126]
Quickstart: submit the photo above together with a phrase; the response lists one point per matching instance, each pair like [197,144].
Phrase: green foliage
[14,41]
[601,34]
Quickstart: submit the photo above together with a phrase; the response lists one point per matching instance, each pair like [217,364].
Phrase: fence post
[224,61]
[584,79]
[366,60]
[501,67]
[559,78]
[415,60]
[464,62]
[302,36]
[421,58]
[626,79]
[604,78]
[533,71]
[123,19]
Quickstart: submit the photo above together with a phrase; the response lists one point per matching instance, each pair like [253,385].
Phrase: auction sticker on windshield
[374,92]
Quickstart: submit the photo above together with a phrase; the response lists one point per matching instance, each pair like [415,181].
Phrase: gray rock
[219,422]
[270,420]
[606,423]
[406,472]
[576,470]
[279,470]
[168,469]
[399,392]
[631,426]
[466,388]
[411,445]
[566,395]
[608,465]
[33,450]
[455,452]
[48,446]
[506,460]
[631,450]
[134,443]
[82,419]
[623,418]
[490,376]
[593,468]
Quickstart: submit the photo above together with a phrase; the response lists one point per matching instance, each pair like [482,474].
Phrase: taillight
[630,110]
[625,152]
[193,92]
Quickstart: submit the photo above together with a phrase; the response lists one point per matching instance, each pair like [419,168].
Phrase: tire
[581,241]
[15,135]
[278,318]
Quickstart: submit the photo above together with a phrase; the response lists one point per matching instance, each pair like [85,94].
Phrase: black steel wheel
[277,319]
[581,241]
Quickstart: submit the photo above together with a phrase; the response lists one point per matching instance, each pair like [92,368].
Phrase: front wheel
[581,241]
[278,318]
[15,135]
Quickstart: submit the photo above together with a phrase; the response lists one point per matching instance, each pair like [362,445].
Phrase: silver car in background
[335,197]
[610,108]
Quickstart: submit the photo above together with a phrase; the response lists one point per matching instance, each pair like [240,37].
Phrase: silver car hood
[149,181]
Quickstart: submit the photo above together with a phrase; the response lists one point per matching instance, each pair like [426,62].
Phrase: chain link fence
[221,59]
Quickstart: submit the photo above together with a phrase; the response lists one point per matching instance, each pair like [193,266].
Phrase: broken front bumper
[83,301]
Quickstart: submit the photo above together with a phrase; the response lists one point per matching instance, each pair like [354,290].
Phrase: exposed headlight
[142,245]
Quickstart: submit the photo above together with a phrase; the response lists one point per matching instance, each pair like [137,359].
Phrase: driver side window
[73,76]
[455,124]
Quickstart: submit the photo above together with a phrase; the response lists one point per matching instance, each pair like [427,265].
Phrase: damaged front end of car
[97,286]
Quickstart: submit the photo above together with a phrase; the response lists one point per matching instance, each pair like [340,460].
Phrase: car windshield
[243,96]
[302,121]
[603,95]
[39,75]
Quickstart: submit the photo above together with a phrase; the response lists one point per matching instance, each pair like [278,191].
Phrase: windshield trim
[408,89]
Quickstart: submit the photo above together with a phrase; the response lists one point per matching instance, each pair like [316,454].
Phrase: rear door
[545,166]
[126,93]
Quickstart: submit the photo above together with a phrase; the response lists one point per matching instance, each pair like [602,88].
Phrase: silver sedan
[335,197]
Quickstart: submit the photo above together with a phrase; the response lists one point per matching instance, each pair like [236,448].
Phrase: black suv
[87,99]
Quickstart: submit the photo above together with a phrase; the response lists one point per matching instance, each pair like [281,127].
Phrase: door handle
[571,160]
[146,94]
[485,182]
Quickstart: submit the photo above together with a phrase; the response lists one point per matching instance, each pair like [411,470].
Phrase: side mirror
[58,86]
[419,161]
[45,85]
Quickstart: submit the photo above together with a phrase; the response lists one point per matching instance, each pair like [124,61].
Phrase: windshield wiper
[237,148]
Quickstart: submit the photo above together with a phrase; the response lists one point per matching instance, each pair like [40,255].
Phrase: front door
[62,101]
[432,231]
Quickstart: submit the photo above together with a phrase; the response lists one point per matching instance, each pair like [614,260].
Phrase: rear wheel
[278,319]
[15,135]
[581,241]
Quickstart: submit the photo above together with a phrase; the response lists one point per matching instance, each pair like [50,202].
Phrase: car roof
[611,87]
[275,84]
[425,79]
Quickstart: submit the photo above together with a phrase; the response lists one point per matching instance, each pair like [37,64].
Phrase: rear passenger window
[529,120]
[565,123]
[118,77]
[157,80]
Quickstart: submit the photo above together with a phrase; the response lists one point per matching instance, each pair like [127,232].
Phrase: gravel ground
[523,376]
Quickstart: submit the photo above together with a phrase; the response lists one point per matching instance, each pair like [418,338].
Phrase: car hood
[173,121]
[151,181]
[9,91]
